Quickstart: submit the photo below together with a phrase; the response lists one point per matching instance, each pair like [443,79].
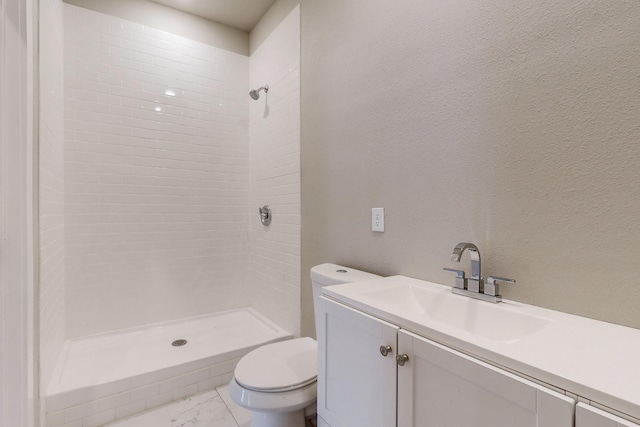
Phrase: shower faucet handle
[265,215]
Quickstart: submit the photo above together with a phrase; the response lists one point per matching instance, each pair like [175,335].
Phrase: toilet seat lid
[279,366]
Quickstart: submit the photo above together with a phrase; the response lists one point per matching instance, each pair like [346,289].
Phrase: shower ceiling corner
[241,14]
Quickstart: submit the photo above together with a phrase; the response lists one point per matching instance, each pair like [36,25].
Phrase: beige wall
[173,21]
[513,125]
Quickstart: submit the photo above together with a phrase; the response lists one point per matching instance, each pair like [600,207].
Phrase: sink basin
[502,322]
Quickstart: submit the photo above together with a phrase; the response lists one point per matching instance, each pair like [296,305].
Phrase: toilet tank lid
[334,274]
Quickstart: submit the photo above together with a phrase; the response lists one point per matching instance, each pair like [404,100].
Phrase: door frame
[17,368]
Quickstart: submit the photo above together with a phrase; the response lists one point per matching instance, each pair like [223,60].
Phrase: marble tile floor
[212,409]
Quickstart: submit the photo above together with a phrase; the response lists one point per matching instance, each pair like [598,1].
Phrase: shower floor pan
[105,377]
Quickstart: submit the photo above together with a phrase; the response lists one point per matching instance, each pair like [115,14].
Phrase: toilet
[277,381]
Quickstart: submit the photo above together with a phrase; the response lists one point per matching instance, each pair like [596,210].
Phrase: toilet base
[278,419]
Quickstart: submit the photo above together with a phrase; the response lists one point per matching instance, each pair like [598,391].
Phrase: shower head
[255,94]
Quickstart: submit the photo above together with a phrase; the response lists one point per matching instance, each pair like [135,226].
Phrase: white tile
[209,384]
[144,392]
[221,368]
[207,410]
[52,187]
[187,391]
[240,414]
[274,157]
[157,418]
[227,377]
[130,409]
[128,176]
[99,419]
[115,400]
[78,412]
[55,419]
[158,400]
[166,60]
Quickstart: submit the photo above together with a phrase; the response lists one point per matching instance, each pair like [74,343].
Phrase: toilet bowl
[278,381]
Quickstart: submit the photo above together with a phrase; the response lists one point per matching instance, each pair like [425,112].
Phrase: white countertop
[596,360]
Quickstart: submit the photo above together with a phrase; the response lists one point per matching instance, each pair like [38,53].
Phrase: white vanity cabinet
[588,416]
[356,383]
[435,387]
[438,386]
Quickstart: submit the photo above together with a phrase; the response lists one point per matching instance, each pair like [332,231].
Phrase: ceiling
[242,14]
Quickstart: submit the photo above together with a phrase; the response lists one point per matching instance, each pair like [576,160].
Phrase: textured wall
[513,125]
[275,175]
[156,182]
[51,190]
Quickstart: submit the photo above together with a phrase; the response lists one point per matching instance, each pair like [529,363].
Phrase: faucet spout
[474,253]
[474,286]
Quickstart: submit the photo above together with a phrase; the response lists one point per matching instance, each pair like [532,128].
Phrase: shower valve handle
[265,215]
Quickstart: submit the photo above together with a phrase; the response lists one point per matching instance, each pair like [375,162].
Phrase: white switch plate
[377,219]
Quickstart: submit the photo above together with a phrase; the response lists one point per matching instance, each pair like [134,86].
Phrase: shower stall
[153,162]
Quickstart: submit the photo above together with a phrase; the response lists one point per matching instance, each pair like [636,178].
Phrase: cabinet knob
[385,350]
[401,359]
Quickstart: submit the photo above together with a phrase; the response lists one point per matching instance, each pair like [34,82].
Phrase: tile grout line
[227,406]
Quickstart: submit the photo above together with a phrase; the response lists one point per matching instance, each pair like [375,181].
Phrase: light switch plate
[377,219]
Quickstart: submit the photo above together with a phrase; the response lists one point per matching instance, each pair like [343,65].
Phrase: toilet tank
[333,274]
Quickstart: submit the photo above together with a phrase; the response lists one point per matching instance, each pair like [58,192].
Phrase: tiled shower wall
[156,175]
[51,191]
[275,175]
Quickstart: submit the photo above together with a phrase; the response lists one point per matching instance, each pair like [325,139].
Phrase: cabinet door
[588,416]
[356,383]
[440,387]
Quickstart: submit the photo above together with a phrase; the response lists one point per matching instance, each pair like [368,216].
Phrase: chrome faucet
[475,283]
[475,286]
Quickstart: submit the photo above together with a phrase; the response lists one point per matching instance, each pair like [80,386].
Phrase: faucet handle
[461,281]
[492,288]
